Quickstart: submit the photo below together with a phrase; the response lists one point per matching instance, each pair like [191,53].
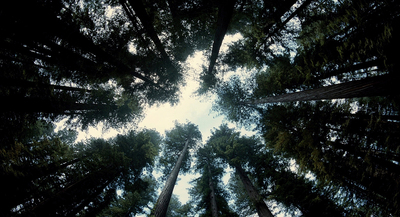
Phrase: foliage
[209,186]
[47,176]
[343,149]
[104,61]
[173,144]
[230,102]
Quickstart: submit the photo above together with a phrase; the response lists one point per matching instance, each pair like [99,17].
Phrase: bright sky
[190,108]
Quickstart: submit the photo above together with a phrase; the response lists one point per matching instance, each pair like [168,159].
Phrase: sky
[191,108]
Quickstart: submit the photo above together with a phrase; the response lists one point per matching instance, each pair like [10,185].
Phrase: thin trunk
[373,86]
[67,196]
[254,196]
[32,84]
[89,198]
[279,25]
[145,19]
[161,206]
[356,67]
[214,208]
[50,106]
[380,159]
[283,7]
[225,12]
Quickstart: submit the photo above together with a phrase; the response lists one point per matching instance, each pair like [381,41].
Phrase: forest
[314,80]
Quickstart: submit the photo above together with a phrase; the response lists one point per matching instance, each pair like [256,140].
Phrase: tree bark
[145,19]
[53,106]
[161,206]
[280,13]
[255,197]
[31,84]
[373,86]
[214,208]
[225,12]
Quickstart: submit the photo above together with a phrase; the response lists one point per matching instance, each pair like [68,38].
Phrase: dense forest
[317,86]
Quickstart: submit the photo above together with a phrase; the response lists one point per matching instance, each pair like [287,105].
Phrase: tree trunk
[53,106]
[373,86]
[30,84]
[225,12]
[145,19]
[254,196]
[68,196]
[280,13]
[214,208]
[161,206]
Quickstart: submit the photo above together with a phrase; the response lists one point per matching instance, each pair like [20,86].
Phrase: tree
[375,86]
[71,180]
[225,13]
[270,176]
[280,181]
[342,149]
[260,24]
[76,59]
[228,145]
[229,102]
[176,209]
[134,199]
[209,195]
[140,11]
[327,53]
[177,143]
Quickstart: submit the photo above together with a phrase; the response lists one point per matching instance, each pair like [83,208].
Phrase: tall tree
[207,193]
[69,180]
[354,152]
[230,147]
[134,199]
[374,86]
[270,176]
[176,145]
[81,51]
[225,13]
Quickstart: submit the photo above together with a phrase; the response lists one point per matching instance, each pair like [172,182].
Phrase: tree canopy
[315,81]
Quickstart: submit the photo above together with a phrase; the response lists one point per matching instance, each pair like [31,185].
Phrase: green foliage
[104,61]
[176,209]
[46,176]
[231,98]
[242,205]
[174,143]
[210,182]
[343,149]
[133,200]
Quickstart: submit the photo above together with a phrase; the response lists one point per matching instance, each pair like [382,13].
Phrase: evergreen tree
[134,199]
[176,145]
[176,209]
[48,177]
[207,192]
[342,149]
[234,150]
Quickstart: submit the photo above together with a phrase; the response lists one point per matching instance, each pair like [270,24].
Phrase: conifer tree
[209,195]
[175,157]
[354,152]
[48,177]
[234,150]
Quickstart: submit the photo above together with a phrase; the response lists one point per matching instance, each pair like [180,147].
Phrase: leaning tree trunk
[255,197]
[161,207]
[225,12]
[373,86]
[140,11]
[214,208]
